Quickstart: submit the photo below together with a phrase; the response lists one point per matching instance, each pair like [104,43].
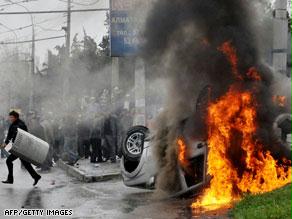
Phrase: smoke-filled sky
[51,24]
[93,22]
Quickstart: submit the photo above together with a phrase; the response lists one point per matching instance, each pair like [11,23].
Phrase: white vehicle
[139,167]
[138,164]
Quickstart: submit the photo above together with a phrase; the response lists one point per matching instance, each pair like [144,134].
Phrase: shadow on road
[33,199]
[134,200]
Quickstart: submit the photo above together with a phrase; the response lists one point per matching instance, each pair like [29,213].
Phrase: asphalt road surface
[106,200]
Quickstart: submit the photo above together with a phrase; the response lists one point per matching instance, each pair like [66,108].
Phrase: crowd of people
[94,133]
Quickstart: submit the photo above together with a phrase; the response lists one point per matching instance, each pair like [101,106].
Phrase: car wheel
[133,144]
[282,129]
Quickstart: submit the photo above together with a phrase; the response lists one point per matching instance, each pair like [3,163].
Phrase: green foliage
[86,63]
[104,46]
[86,55]
[76,47]
[272,205]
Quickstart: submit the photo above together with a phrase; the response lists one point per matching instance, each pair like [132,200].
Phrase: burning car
[189,49]
[139,167]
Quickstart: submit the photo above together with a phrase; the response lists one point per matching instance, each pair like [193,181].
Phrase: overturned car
[139,168]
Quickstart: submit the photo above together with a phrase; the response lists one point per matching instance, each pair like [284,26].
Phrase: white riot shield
[30,148]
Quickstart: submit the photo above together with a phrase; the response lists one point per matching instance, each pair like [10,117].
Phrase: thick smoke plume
[182,39]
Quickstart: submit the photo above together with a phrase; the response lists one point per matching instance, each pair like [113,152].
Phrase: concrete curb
[83,177]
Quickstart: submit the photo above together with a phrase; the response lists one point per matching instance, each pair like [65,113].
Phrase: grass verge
[272,205]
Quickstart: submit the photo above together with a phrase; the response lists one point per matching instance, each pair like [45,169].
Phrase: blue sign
[124,31]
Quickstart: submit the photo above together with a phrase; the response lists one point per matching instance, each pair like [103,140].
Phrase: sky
[50,24]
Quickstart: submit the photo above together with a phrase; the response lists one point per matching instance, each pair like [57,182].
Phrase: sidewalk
[88,172]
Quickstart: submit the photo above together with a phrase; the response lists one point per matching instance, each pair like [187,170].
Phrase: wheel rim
[134,143]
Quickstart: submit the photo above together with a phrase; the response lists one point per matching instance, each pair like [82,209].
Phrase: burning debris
[199,43]
[280,100]
[237,160]
[182,153]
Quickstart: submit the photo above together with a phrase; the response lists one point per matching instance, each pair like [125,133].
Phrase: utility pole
[66,70]
[68,29]
[280,41]
[32,76]
[33,50]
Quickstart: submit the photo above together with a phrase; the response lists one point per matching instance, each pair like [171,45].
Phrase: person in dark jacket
[49,138]
[83,132]
[12,132]
[110,132]
[70,140]
[95,140]
[58,141]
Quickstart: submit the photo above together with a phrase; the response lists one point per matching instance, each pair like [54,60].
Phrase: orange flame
[237,161]
[230,52]
[182,153]
[232,124]
[253,74]
[280,100]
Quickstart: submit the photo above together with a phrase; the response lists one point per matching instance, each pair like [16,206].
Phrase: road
[106,200]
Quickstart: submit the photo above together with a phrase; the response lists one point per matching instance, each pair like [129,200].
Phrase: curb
[83,177]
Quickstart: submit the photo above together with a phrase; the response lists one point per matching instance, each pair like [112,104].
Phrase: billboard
[125,27]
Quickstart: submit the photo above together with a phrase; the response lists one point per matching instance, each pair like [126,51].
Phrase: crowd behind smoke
[73,97]
[58,86]
[68,102]
[182,38]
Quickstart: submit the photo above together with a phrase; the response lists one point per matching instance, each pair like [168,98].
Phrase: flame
[260,172]
[280,100]
[182,152]
[253,74]
[230,52]
[237,161]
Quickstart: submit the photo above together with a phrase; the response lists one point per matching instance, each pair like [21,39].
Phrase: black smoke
[182,38]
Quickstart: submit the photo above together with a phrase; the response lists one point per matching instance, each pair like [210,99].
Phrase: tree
[76,47]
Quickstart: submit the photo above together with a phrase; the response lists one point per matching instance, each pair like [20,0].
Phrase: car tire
[133,143]
[282,127]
